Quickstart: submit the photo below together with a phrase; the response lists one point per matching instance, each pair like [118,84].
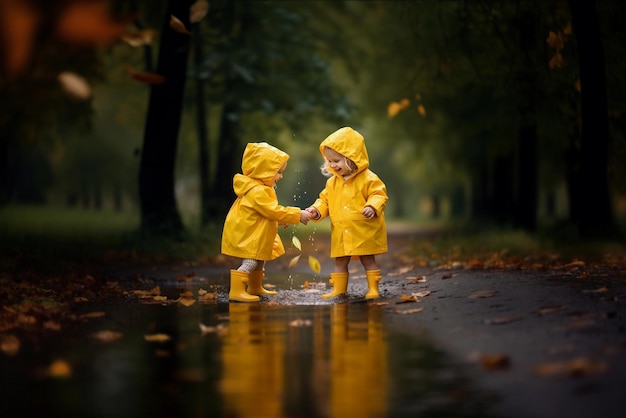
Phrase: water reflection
[281,363]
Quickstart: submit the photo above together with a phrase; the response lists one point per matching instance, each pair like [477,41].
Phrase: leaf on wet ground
[91,315]
[577,367]
[400,271]
[408,311]
[481,294]
[495,361]
[107,336]
[598,290]
[544,310]
[416,279]
[503,320]
[9,344]
[157,338]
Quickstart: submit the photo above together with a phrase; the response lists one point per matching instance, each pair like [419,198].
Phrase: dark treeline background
[508,113]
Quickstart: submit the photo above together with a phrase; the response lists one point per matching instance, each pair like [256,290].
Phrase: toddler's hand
[315,214]
[305,216]
[368,212]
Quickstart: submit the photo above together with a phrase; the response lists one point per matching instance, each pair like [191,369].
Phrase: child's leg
[255,284]
[339,278]
[341,264]
[369,262]
[249,265]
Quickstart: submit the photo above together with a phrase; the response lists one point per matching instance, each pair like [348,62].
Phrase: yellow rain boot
[238,280]
[373,277]
[340,284]
[255,284]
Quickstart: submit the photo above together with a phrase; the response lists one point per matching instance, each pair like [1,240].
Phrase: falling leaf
[177,25]
[198,10]
[139,38]
[75,85]
[314,264]
[421,110]
[88,22]
[395,107]
[9,344]
[296,242]
[60,369]
[107,336]
[145,77]
[157,338]
[294,261]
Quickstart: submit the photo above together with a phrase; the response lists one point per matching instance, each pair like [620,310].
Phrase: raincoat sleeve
[266,204]
[376,194]
[321,204]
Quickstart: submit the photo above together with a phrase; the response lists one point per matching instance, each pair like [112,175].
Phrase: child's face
[279,173]
[336,161]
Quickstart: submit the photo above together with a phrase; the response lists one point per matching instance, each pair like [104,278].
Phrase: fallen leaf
[481,294]
[417,279]
[60,369]
[314,264]
[186,301]
[157,338]
[503,320]
[421,294]
[107,336]
[495,361]
[93,315]
[549,309]
[219,329]
[178,25]
[598,290]
[9,344]
[447,276]
[296,242]
[408,311]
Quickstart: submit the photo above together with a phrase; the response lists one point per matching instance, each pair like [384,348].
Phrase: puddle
[299,356]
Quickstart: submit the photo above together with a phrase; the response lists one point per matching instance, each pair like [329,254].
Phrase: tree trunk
[203,136]
[159,213]
[595,214]
[228,162]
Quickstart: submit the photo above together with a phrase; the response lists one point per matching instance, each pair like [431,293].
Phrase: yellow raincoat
[251,226]
[344,199]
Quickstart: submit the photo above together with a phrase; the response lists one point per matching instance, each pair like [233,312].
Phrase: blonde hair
[349,163]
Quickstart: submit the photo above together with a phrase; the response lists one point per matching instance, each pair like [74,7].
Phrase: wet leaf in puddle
[107,336]
[495,361]
[481,294]
[157,338]
[408,311]
[9,344]
[60,369]
[294,261]
[503,320]
[219,329]
[186,301]
[296,242]
[314,264]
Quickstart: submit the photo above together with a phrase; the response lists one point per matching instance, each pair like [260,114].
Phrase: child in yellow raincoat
[251,225]
[354,198]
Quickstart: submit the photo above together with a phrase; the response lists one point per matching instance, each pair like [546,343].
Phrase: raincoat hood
[349,143]
[261,161]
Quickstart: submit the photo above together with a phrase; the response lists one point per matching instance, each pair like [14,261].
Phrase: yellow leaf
[294,261]
[186,301]
[156,338]
[421,110]
[314,264]
[107,336]
[60,368]
[296,242]
[9,345]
